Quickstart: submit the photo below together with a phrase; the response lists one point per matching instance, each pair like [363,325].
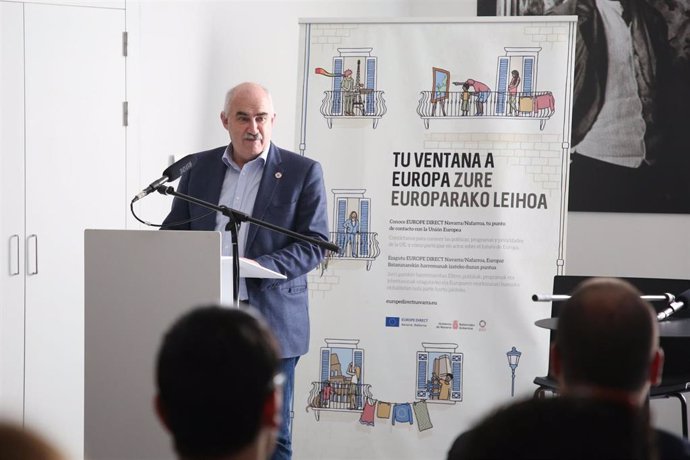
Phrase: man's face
[249,119]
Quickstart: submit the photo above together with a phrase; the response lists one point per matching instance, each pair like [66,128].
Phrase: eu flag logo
[392,321]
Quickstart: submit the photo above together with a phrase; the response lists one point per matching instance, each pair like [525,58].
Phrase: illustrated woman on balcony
[351,227]
[512,92]
[445,384]
[355,373]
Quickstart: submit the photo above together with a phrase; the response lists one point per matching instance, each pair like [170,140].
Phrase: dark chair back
[676,348]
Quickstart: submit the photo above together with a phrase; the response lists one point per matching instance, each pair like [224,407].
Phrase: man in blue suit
[254,176]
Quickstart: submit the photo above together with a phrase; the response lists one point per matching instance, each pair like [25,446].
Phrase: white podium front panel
[136,284]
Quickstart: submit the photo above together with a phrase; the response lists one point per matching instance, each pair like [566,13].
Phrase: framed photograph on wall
[630,118]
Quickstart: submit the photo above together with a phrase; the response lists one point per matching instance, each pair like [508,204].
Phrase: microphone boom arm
[236,218]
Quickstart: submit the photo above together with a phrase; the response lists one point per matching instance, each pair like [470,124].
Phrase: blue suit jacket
[291,195]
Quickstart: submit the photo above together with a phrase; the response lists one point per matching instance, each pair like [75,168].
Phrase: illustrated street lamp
[513,360]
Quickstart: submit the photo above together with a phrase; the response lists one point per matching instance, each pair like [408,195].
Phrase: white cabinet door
[12,234]
[75,179]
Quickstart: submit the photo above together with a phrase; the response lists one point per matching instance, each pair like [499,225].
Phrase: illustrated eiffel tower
[358,103]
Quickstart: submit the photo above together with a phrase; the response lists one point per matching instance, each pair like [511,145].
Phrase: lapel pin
[279,175]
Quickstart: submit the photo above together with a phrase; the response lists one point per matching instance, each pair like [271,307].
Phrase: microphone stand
[236,218]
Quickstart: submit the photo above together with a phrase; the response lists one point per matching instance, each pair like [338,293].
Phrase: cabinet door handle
[32,270]
[14,255]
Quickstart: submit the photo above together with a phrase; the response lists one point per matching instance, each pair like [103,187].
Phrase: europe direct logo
[392,321]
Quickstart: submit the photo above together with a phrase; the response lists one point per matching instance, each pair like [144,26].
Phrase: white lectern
[137,282]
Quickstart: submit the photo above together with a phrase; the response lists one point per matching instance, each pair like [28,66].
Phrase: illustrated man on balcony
[349,92]
[481,92]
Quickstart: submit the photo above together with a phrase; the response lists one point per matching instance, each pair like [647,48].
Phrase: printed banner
[444,147]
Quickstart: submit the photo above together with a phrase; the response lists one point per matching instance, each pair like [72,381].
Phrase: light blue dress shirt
[239,190]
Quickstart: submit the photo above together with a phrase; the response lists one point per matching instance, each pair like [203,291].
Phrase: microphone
[171,173]
[549,297]
[680,301]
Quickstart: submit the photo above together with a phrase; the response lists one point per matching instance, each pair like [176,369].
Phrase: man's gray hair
[231,94]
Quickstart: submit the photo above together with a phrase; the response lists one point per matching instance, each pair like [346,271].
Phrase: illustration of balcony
[337,396]
[365,103]
[355,246]
[535,105]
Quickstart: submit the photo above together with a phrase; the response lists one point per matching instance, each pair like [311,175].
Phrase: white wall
[184,55]
[635,245]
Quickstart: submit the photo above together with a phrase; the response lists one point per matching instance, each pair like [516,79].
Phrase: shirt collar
[230,163]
